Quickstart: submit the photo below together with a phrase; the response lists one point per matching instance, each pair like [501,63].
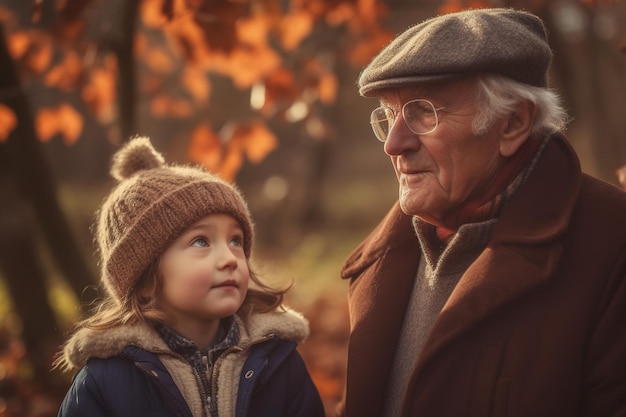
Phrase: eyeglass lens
[419,115]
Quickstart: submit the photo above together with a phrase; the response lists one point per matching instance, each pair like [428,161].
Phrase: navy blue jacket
[274,382]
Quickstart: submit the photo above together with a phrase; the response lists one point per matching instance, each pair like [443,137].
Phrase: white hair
[499,95]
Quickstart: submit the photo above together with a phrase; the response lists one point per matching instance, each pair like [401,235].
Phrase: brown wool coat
[535,327]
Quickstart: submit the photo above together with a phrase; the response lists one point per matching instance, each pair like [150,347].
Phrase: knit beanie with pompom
[151,206]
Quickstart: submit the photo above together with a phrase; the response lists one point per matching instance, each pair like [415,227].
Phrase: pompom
[137,155]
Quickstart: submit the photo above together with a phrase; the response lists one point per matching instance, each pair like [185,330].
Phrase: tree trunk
[29,207]
[24,275]
[36,184]
[124,52]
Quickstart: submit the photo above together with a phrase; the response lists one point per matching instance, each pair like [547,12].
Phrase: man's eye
[200,242]
[424,109]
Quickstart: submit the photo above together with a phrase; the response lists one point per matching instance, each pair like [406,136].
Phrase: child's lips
[227,284]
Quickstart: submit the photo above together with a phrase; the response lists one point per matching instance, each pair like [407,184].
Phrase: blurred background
[261,91]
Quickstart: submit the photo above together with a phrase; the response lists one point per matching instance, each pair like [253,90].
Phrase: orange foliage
[233,39]
[253,140]
[65,74]
[324,81]
[365,35]
[344,12]
[233,159]
[164,106]
[280,91]
[256,140]
[245,66]
[190,38]
[363,52]
[18,44]
[478,4]
[158,60]
[253,30]
[197,84]
[8,122]
[12,353]
[325,350]
[151,13]
[99,92]
[18,395]
[140,44]
[316,8]
[254,44]
[249,60]
[63,120]
[205,148]
[38,56]
[327,88]
[370,10]
[218,21]
[294,27]
[452,6]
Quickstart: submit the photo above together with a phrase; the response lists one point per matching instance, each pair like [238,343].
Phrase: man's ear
[517,128]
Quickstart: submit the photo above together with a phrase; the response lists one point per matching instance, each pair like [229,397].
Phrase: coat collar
[86,343]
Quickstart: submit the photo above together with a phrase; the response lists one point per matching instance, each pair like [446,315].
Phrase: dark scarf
[227,336]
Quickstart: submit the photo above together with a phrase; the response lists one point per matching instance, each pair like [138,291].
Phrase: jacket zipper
[215,370]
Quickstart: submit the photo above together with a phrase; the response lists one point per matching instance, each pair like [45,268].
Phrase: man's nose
[400,138]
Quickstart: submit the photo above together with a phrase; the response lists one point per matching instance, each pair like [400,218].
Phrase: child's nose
[226,257]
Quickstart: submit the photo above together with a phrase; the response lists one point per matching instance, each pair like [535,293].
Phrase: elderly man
[496,286]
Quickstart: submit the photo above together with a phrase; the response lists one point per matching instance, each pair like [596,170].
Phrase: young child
[180,332]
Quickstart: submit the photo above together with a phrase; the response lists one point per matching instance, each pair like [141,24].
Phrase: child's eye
[236,241]
[200,242]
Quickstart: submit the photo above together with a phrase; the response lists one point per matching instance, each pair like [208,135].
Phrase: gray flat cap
[505,41]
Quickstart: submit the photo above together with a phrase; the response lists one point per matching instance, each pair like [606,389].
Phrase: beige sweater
[436,278]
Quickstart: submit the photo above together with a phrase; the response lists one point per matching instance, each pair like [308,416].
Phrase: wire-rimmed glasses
[420,116]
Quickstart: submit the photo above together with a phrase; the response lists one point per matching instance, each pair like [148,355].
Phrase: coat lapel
[378,301]
[523,252]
